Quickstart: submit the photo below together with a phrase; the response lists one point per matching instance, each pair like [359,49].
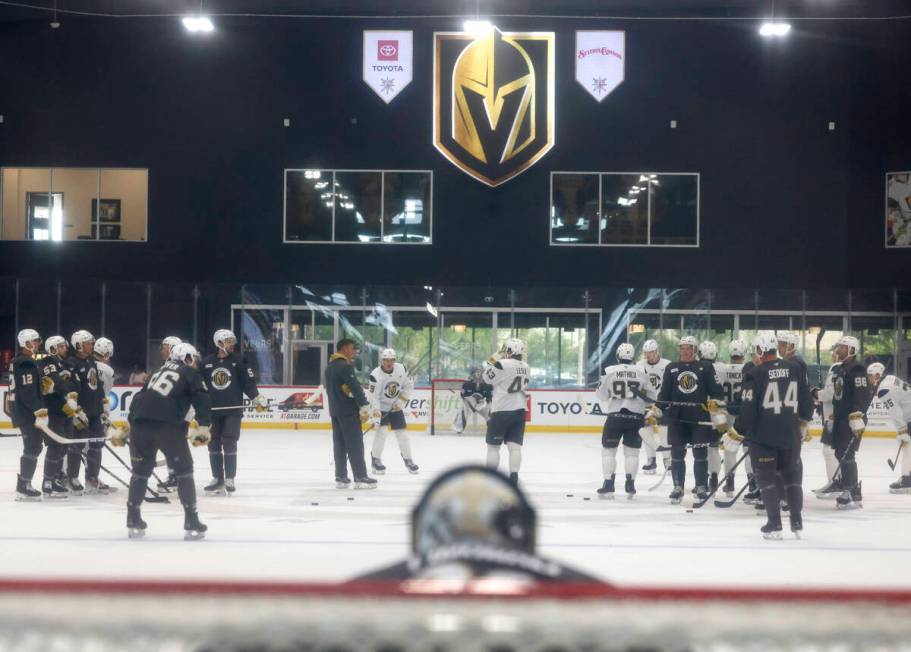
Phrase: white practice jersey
[387,387]
[509,378]
[893,397]
[622,386]
[655,372]
[730,377]
[827,393]
[106,375]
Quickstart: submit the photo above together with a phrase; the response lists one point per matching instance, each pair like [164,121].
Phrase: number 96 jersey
[509,378]
[169,393]
[623,386]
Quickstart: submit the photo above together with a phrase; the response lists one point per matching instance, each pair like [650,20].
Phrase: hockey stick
[665,449]
[721,481]
[10,434]
[728,503]
[667,468]
[898,453]
[155,475]
[155,498]
[63,440]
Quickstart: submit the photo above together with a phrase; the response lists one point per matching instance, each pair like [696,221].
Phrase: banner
[388,62]
[600,61]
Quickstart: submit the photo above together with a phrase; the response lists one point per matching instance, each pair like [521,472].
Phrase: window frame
[649,244]
[382,172]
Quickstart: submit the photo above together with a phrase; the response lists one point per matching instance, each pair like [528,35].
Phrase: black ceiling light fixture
[55,24]
[772,28]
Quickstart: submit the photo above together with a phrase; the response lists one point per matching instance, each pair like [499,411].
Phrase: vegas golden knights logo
[493,103]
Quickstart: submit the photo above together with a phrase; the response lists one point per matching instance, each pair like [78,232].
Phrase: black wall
[784,201]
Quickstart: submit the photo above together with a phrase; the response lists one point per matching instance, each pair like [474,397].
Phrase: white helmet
[221,335]
[387,354]
[81,337]
[851,342]
[688,340]
[54,342]
[649,346]
[626,351]
[182,351]
[27,336]
[738,348]
[514,346]
[171,341]
[789,337]
[708,350]
[104,347]
[764,343]
[876,369]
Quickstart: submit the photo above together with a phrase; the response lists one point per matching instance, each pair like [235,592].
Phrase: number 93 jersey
[623,385]
[509,378]
[169,393]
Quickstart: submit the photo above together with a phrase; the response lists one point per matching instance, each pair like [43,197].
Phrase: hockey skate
[364,483]
[796,524]
[54,489]
[411,466]
[170,483]
[136,527]
[702,493]
[607,489]
[830,491]
[676,495]
[729,487]
[193,528]
[630,487]
[96,486]
[713,482]
[342,483]
[215,488]
[651,467]
[229,486]
[850,499]
[377,465]
[771,531]
[25,492]
[901,486]
[75,487]
[753,498]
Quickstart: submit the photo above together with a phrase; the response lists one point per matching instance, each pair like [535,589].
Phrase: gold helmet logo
[493,101]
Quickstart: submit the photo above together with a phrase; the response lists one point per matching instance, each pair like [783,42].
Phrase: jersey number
[518,384]
[731,391]
[620,386]
[772,399]
[163,382]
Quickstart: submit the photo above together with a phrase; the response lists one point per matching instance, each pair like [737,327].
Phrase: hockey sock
[493,456]
[678,466]
[92,463]
[849,474]
[831,461]
[231,465]
[404,443]
[771,498]
[186,490]
[379,442]
[217,462]
[608,461]
[701,466]
[906,459]
[53,462]
[137,490]
[662,439]
[73,461]
[631,460]
[714,460]
[748,465]
[28,464]
[515,456]
[730,459]
[649,441]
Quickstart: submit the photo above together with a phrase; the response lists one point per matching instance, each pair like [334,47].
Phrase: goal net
[448,414]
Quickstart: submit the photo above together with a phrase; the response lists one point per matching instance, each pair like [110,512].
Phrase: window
[358,206]
[898,209]
[642,209]
[61,204]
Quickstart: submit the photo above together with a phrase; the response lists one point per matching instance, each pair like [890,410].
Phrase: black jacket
[345,394]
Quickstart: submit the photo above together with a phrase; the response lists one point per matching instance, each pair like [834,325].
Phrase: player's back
[895,396]
[623,385]
[168,394]
[509,378]
[778,398]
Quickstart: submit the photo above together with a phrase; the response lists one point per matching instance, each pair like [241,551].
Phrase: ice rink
[288,522]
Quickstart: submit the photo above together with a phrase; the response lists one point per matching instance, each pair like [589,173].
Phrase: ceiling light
[774,28]
[198,23]
[477,26]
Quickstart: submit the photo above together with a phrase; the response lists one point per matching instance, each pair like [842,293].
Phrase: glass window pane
[407,206]
[78,196]
[624,209]
[358,206]
[26,214]
[465,342]
[413,337]
[574,209]
[308,205]
[898,209]
[675,209]
[122,212]
[261,331]
[125,325]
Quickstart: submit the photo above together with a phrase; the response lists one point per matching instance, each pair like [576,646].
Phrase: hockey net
[484,616]
[446,404]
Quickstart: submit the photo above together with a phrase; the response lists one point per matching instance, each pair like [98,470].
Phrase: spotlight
[198,23]
[774,28]
[477,26]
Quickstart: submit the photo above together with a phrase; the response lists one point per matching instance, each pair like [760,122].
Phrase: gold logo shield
[493,103]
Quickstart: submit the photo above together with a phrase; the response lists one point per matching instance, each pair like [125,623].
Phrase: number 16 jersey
[509,378]
[168,394]
[623,386]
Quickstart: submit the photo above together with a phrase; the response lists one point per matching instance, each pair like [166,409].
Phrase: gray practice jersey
[509,379]
[622,387]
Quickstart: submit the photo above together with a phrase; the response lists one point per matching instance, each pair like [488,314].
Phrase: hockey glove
[81,420]
[71,407]
[375,418]
[805,435]
[731,440]
[398,403]
[364,413]
[856,423]
[105,420]
[106,404]
[652,416]
[47,386]
[118,436]
[720,420]
[41,421]
[712,406]
[199,436]
[903,435]
[260,404]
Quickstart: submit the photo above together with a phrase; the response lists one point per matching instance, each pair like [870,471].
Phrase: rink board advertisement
[304,408]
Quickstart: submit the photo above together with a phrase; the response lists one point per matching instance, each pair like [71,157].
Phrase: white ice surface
[288,522]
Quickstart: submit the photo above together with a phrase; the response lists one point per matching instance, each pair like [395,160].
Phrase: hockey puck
[689,511]
[350,497]
[314,504]
[586,498]
[569,495]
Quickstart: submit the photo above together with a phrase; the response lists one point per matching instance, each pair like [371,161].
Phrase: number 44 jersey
[169,393]
[623,387]
[509,378]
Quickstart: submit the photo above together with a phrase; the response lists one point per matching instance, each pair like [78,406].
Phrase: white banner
[600,61]
[388,62]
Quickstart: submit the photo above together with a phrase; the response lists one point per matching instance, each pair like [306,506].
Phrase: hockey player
[730,376]
[104,351]
[654,436]
[686,388]
[508,375]
[91,398]
[851,397]
[229,377]
[622,387]
[832,489]
[157,424]
[776,408]
[894,397]
[167,346]
[476,395]
[28,412]
[349,408]
[788,341]
[708,352]
[390,387]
